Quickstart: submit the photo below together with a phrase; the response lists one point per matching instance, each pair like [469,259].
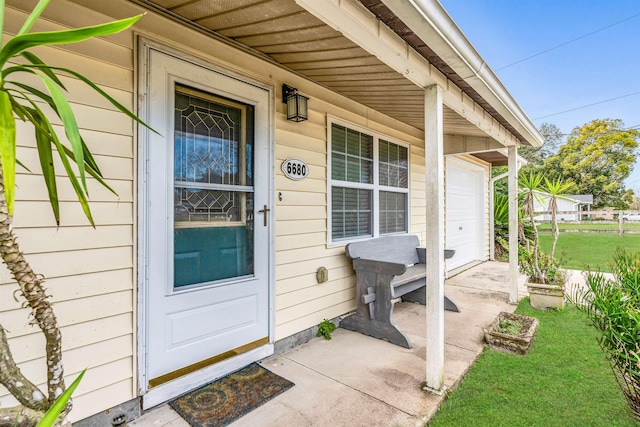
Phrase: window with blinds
[369,185]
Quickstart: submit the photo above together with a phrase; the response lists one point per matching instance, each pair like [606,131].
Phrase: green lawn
[596,225]
[564,380]
[576,251]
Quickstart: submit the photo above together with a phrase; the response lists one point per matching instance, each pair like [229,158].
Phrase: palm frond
[33,16]
[8,147]
[22,42]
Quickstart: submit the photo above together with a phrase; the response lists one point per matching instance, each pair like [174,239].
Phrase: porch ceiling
[294,38]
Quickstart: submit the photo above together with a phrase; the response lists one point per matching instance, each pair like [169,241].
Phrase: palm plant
[21,101]
[540,268]
[555,190]
[501,225]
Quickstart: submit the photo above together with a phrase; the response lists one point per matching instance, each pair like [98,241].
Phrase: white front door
[206,218]
[464,213]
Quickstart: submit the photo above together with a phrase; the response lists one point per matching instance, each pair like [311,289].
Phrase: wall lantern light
[296,104]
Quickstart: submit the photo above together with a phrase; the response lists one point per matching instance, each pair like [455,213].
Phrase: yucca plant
[541,268]
[501,226]
[613,307]
[530,186]
[25,102]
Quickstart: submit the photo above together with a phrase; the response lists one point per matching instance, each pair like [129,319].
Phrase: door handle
[265,212]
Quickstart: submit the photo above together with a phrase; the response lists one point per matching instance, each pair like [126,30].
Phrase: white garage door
[465,228]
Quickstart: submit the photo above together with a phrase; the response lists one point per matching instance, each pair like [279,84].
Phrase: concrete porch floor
[356,380]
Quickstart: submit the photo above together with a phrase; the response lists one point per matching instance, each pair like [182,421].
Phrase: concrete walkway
[356,380]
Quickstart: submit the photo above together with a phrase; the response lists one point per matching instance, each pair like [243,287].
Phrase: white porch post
[434,154]
[513,223]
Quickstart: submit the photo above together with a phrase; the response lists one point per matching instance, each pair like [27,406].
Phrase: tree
[537,155]
[597,157]
[19,100]
[555,189]
[530,187]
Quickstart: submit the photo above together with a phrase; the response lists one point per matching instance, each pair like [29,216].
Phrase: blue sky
[595,68]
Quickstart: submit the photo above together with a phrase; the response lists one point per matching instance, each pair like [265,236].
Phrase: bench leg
[419,296]
[375,309]
[377,329]
[450,305]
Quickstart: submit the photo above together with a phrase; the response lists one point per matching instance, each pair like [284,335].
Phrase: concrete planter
[514,344]
[544,297]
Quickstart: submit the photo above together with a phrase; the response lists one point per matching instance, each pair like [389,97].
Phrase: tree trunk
[19,417]
[554,225]
[536,241]
[31,289]
[18,385]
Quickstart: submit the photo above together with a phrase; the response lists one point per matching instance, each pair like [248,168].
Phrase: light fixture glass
[297,105]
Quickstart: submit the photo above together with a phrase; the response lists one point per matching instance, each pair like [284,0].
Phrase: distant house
[604,213]
[567,205]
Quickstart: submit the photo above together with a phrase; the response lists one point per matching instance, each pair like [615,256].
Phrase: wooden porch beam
[458,144]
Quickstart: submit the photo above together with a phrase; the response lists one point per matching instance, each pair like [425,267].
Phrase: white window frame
[375,187]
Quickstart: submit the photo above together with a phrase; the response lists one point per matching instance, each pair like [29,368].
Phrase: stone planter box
[544,297]
[514,344]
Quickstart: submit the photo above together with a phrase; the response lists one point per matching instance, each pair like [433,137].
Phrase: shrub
[501,227]
[613,306]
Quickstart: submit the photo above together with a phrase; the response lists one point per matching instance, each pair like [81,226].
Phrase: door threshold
[165,392]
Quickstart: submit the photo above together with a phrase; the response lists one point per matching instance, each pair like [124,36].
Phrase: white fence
[598,215]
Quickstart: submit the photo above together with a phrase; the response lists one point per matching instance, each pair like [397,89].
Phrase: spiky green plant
[22,101]
[530,186]
[613,306]
[501,226]
[555,189]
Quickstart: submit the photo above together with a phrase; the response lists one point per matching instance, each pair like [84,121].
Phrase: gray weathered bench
[387,268]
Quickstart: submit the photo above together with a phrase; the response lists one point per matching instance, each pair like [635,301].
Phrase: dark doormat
[227,399]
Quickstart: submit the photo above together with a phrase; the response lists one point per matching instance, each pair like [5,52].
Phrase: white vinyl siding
[369,188]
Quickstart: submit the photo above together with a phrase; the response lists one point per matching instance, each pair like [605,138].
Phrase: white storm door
[206,222]
[464,213]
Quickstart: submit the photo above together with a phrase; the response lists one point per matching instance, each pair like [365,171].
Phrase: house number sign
[295,169]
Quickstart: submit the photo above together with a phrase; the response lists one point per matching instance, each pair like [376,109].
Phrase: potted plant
[545,279]
[511,333]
